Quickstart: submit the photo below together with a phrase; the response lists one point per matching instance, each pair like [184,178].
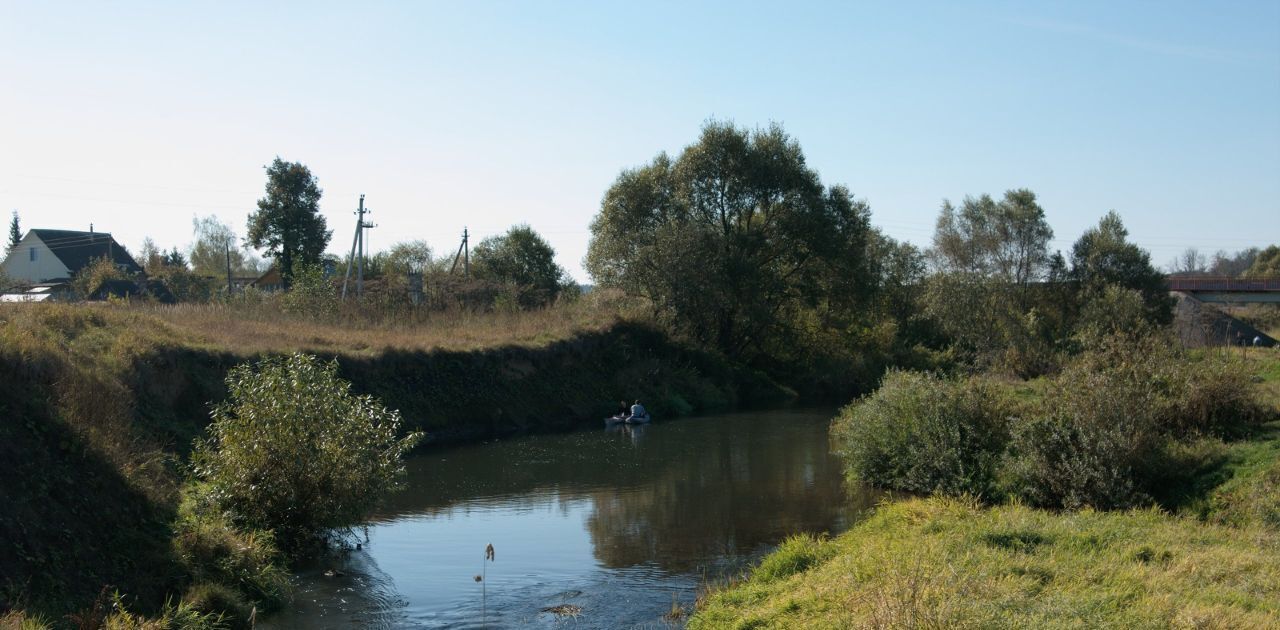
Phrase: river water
[615,525]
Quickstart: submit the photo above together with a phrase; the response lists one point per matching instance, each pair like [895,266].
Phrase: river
[614,525]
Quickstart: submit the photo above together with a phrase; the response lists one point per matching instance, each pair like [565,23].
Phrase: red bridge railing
[1222,283]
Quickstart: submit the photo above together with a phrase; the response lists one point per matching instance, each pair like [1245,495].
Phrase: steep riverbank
[99,406]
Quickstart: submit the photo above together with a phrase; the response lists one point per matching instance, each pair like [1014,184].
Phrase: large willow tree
[736,241]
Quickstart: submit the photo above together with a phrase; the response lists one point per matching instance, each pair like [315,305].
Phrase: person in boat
[637,411]
[624,409]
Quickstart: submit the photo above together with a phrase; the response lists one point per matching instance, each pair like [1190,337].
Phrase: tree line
[516,269]
[737,244]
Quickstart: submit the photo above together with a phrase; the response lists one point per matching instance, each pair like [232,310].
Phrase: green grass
[1210,559]
[942,563]
[1245,488]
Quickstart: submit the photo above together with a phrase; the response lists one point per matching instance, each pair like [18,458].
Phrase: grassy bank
[99,405]
[940,563]
[1208,558]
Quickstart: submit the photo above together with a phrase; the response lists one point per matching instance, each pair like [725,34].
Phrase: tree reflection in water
[684,495]
[732,495]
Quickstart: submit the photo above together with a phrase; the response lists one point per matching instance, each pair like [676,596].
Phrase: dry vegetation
[264,328]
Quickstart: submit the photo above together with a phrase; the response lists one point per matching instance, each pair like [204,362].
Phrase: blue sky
[137,116]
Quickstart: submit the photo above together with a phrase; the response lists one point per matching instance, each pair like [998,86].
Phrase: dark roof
[77,249]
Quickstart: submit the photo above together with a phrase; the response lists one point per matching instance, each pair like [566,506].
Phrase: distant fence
[1223,284]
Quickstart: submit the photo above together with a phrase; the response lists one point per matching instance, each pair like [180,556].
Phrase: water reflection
[617,521]
[722,498]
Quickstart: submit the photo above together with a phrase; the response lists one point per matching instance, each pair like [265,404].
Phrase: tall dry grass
[264,327]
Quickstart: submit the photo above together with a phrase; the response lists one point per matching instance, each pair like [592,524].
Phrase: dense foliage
[1006,302]
[523,260]
[1104,257]
[736,242]
[1266,265]
[1107,432]
[992,257]
[922,433]
[99,271]
[288,223]
[1111,425]
[294,452]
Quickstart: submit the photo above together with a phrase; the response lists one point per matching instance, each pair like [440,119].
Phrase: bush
[1216,396]
[293,451]
[310,293]
[922,433]
[1091,444]
[1113,422]
[1190,395]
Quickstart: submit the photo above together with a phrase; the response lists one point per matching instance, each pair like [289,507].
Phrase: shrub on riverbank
[941,563]
[923,433]
[1117,428]
[294,452]
[1118,421]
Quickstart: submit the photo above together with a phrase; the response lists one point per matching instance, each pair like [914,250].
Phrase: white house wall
[46,267]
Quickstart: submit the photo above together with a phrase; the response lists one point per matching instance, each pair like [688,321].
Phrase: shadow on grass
[72,524]
[1196,470]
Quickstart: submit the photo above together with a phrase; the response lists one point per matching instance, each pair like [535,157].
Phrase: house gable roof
[77,249]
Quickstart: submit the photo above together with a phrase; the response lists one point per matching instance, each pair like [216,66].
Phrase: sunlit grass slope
[937,563]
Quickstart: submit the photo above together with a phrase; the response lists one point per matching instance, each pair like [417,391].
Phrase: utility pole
[355,240]
[228,248]
[364,225]
[464,252]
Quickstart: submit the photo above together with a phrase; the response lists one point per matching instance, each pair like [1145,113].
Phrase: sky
[136,117]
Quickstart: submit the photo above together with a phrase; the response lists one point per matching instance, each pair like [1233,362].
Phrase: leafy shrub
[923,433]
[1114,420]
[293,451]
[1089,445]
[1215,397]
[1190,395]
[310,293]
[1114,309]
[186,285]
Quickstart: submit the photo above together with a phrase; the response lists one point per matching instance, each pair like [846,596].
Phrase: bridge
[1223,289]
